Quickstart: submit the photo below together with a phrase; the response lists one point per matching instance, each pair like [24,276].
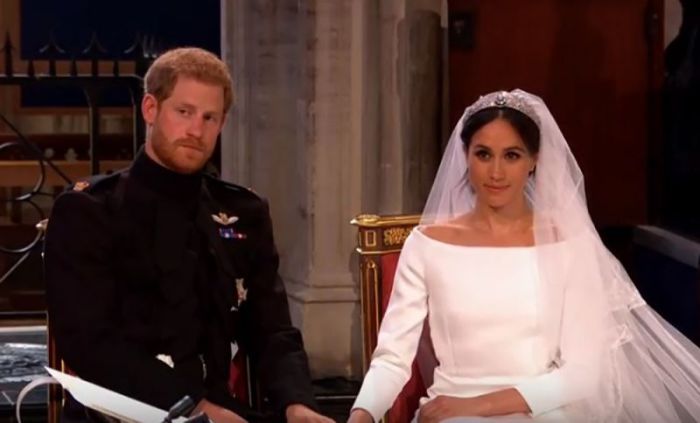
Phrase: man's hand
[216,413]
[444,407]
[297,413]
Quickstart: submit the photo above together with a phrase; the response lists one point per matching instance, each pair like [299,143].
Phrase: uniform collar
[183,189]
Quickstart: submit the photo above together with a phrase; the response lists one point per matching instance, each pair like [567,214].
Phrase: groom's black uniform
[152,274]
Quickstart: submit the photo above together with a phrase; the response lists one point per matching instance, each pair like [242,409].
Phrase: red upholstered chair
[242,383]
[379,243]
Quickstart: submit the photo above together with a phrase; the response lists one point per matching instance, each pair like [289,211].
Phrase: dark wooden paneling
[596,63]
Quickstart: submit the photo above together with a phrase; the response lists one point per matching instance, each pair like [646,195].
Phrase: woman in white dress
[531,318]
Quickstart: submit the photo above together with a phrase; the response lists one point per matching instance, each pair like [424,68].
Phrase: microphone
[199,418]
[183,407]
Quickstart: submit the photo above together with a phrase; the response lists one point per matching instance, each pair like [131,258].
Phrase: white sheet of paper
[109,402]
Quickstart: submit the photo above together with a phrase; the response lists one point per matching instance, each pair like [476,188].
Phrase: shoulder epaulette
[95,182]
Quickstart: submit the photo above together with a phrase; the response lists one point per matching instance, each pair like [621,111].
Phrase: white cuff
[543,393]
[379,390]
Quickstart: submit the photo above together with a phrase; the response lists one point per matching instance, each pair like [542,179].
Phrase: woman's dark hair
[523,125]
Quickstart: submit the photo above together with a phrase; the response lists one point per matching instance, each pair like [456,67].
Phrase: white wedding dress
[561,322]
[481,304]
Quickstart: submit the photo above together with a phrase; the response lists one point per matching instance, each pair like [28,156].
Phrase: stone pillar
[421,79]
[289,136]
[319,127]
[411,44]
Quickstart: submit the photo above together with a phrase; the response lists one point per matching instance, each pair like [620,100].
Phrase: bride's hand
[359,415]
[444,407]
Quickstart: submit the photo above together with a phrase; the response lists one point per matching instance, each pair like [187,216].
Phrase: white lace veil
[619,359]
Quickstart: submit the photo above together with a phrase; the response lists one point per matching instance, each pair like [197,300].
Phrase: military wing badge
[226,231]
[224,219]
[81,185]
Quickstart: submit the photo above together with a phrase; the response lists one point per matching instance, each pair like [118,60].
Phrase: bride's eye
[482,154]
[511,155]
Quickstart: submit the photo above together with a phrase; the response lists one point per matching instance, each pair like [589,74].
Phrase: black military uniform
[152,274]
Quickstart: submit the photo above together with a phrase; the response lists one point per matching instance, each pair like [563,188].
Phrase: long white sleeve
[398,336]
[582,326]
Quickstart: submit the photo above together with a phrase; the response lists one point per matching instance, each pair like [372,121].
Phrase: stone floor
[22,358]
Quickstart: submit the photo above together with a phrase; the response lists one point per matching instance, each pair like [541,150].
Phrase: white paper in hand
[109,402]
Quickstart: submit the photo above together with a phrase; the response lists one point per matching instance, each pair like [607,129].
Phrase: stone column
[320,127]
[289,136]
[421,80]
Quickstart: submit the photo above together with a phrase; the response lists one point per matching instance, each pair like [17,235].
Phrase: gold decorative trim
[377,308]
[365,219]
[374,221]
[396,236]
[377,253]
[371,306]
[363,307]
[370,238]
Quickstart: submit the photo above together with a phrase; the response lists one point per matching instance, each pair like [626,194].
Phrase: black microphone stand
[183,407]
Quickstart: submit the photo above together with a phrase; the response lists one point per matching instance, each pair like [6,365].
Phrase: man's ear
[149,108]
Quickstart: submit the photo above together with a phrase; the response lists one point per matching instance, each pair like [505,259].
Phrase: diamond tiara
[503,99]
